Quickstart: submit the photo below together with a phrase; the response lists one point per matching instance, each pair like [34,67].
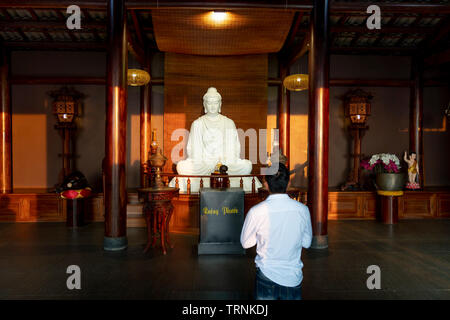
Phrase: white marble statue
[213,139]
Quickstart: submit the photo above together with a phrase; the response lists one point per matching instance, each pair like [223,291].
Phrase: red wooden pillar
[416,116]
[116,131]
[5,125]
[318,122]
[284,112]
[145,122]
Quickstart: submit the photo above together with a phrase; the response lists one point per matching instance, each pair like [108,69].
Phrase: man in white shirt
[280,227]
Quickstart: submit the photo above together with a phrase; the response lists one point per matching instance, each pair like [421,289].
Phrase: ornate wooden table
[158,210]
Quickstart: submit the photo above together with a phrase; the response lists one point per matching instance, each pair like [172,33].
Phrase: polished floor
[413,256]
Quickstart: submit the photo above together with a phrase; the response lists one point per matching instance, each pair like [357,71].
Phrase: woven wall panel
[241,81]
[244,31]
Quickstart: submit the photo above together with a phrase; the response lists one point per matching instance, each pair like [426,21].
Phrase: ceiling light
[218,15]
[137,77]
[296,82]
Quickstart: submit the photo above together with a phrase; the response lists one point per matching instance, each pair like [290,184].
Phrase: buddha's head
[212,101]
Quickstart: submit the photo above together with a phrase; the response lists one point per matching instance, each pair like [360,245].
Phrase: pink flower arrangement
[382,163]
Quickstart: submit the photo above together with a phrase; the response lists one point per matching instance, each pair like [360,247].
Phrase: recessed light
[219,15]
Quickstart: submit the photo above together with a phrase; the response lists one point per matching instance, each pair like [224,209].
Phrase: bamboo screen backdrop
[241,81]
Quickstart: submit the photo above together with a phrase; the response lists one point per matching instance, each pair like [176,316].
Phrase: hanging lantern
[296,82]
[357,106]
[137,77]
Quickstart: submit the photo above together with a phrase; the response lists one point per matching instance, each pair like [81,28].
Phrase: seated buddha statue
[213,140]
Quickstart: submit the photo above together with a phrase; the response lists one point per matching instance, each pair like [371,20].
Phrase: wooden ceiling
[242,31]
[407,27]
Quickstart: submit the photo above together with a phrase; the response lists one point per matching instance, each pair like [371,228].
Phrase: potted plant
[386,166]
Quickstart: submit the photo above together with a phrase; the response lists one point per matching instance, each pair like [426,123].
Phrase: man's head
[278,182]
[413,155]
[212,101]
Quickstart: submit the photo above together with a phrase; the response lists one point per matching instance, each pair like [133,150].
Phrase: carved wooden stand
[158,210]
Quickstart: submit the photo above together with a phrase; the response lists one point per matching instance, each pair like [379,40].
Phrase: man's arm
[248,234]
[307,235]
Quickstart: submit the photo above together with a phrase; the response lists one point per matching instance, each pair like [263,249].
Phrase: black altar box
[221,221]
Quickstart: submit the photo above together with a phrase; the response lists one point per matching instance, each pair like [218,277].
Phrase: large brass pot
[390,181]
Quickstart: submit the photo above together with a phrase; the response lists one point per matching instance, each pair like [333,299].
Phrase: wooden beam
[303,5]
[137,28]
[404,7]
[284,113]
[440,32]
[374,50]
[116,130]
[52,4]
[58,80]
[5,124]
[57,25]
[298,51]
[56,45]
[318,123]
[438,58]
[135,49]
[293,32]
[384,30]
[145,123]
[370,83]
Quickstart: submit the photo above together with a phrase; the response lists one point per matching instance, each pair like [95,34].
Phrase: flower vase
[390,181]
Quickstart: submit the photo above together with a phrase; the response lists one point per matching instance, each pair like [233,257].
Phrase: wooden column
[145,122]
[284,112]
[5,125]
[318,122]
[416,116]
[116,132]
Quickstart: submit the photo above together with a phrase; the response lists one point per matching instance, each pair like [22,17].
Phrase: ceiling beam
[57,80]
[302,5]
[52,4]
[438,58]
[293,32]
[363,29]
[370,83]
[296,52]
[137,27]
[299,5]
[373,50]
[48,24]
[135,49]
[404,7]
[45,45]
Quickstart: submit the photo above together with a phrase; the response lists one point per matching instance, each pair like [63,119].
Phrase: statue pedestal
[221,221]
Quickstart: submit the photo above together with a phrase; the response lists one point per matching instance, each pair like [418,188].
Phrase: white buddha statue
[213,139]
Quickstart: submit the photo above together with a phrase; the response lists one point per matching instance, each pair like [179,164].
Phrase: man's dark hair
[279,181]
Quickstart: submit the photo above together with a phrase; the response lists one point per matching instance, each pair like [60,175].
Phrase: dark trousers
[266,289]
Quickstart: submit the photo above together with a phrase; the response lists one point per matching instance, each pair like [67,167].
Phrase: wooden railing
[166,176]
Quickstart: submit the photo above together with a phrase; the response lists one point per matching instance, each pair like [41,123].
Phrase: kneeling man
[280,227]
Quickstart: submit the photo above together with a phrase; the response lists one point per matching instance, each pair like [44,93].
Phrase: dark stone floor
[414,257]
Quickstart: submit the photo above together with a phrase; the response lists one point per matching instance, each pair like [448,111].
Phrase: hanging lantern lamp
[296,82]
[137,77]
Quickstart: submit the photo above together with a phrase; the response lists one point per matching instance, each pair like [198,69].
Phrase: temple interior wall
[36,144]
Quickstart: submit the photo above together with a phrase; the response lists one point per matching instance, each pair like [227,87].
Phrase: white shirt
[280,227]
